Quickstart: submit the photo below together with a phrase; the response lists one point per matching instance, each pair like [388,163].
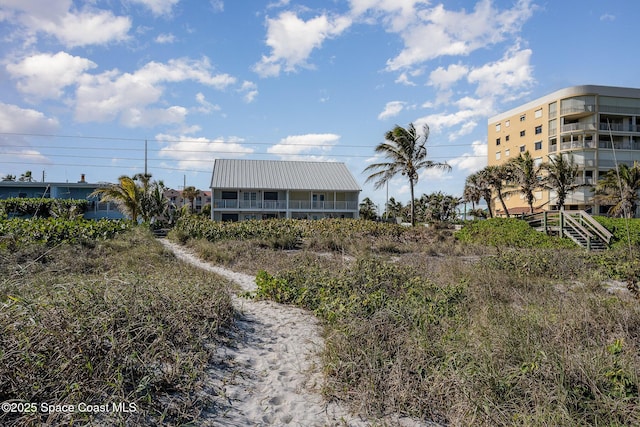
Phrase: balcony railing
[572,127]
[279,205]
[577,109]
[618,127]
[575,145]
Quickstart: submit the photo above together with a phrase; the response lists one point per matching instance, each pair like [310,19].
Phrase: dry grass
[113,322]
[462,333]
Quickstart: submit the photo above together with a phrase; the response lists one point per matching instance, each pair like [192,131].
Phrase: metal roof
[282,175]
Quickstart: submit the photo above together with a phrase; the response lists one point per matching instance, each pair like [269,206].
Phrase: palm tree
[9,177]
[477,186]
[406,152]
[619,188]
[497,176]
[126,194]
[190,193]
[393,209]
[526,175]
[561,177]
[26,177]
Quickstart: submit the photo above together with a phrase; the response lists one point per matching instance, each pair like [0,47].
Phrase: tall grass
[116,322]
[524,333]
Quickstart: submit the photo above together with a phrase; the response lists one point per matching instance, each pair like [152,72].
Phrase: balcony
[576,145]
[618,127]
[578,110]
[578,127]
[281,205]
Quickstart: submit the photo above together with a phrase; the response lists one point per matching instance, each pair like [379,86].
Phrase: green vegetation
[116,321]
[495,324]
[42,208]
[500,325]
[508,232]
[625,230]
[15,233]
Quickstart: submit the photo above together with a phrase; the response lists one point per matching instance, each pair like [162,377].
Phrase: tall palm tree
[190,193]
[497,176]
[619,188]
[561,176]
[477,186]
[126,194]
[526,175]
[406,152]
[393,209]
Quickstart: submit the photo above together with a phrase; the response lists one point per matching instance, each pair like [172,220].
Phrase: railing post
[561,219]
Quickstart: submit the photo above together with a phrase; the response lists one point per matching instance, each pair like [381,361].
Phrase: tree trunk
[504,206]
[413,205]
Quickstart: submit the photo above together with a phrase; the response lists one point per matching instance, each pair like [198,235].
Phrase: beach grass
[119,326]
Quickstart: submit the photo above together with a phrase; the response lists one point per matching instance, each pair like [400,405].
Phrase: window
[497,155]
[497,141]
[498,127]
[506,138]
[538,129]
[507,152]
[507,123]
[229,195]
[538,145]
[523,117]
[538,113]
[523,148]
[521,133]
[271,195]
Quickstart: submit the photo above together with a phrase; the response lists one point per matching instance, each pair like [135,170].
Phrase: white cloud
[444,78]
[474,161]
[608,17]
[392,109]
[16,121]
[450,33]
[72,26]
[304,144]
[165,38]
[112,94]
[249,91]
[46,75]
[205,106]
[158,7]
[198,153]
[508,77]
[292,40]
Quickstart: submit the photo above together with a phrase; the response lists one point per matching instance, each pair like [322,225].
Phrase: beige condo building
[598,125]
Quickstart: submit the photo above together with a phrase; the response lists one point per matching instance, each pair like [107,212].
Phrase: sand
[271,374]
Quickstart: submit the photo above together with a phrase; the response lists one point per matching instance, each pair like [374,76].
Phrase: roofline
[54,184]
[618,91]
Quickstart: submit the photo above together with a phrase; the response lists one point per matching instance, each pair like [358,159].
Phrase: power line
[201,141]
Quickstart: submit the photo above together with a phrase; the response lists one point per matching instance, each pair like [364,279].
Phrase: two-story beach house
[261,189]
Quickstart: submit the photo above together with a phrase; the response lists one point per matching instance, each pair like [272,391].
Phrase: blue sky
[83,84]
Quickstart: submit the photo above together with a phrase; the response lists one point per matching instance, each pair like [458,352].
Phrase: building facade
[598,125]
[262,189]
[62,190]
[178,201]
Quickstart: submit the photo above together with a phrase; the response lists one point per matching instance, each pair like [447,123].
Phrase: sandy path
[271,376]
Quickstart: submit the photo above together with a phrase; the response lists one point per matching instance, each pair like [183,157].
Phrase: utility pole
[145,157]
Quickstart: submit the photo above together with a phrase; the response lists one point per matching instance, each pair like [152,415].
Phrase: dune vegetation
[494,324]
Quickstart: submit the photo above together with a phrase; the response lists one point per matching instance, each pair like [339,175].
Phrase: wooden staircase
[578,226]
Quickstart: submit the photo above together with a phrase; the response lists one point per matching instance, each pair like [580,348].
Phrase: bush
[508,232]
